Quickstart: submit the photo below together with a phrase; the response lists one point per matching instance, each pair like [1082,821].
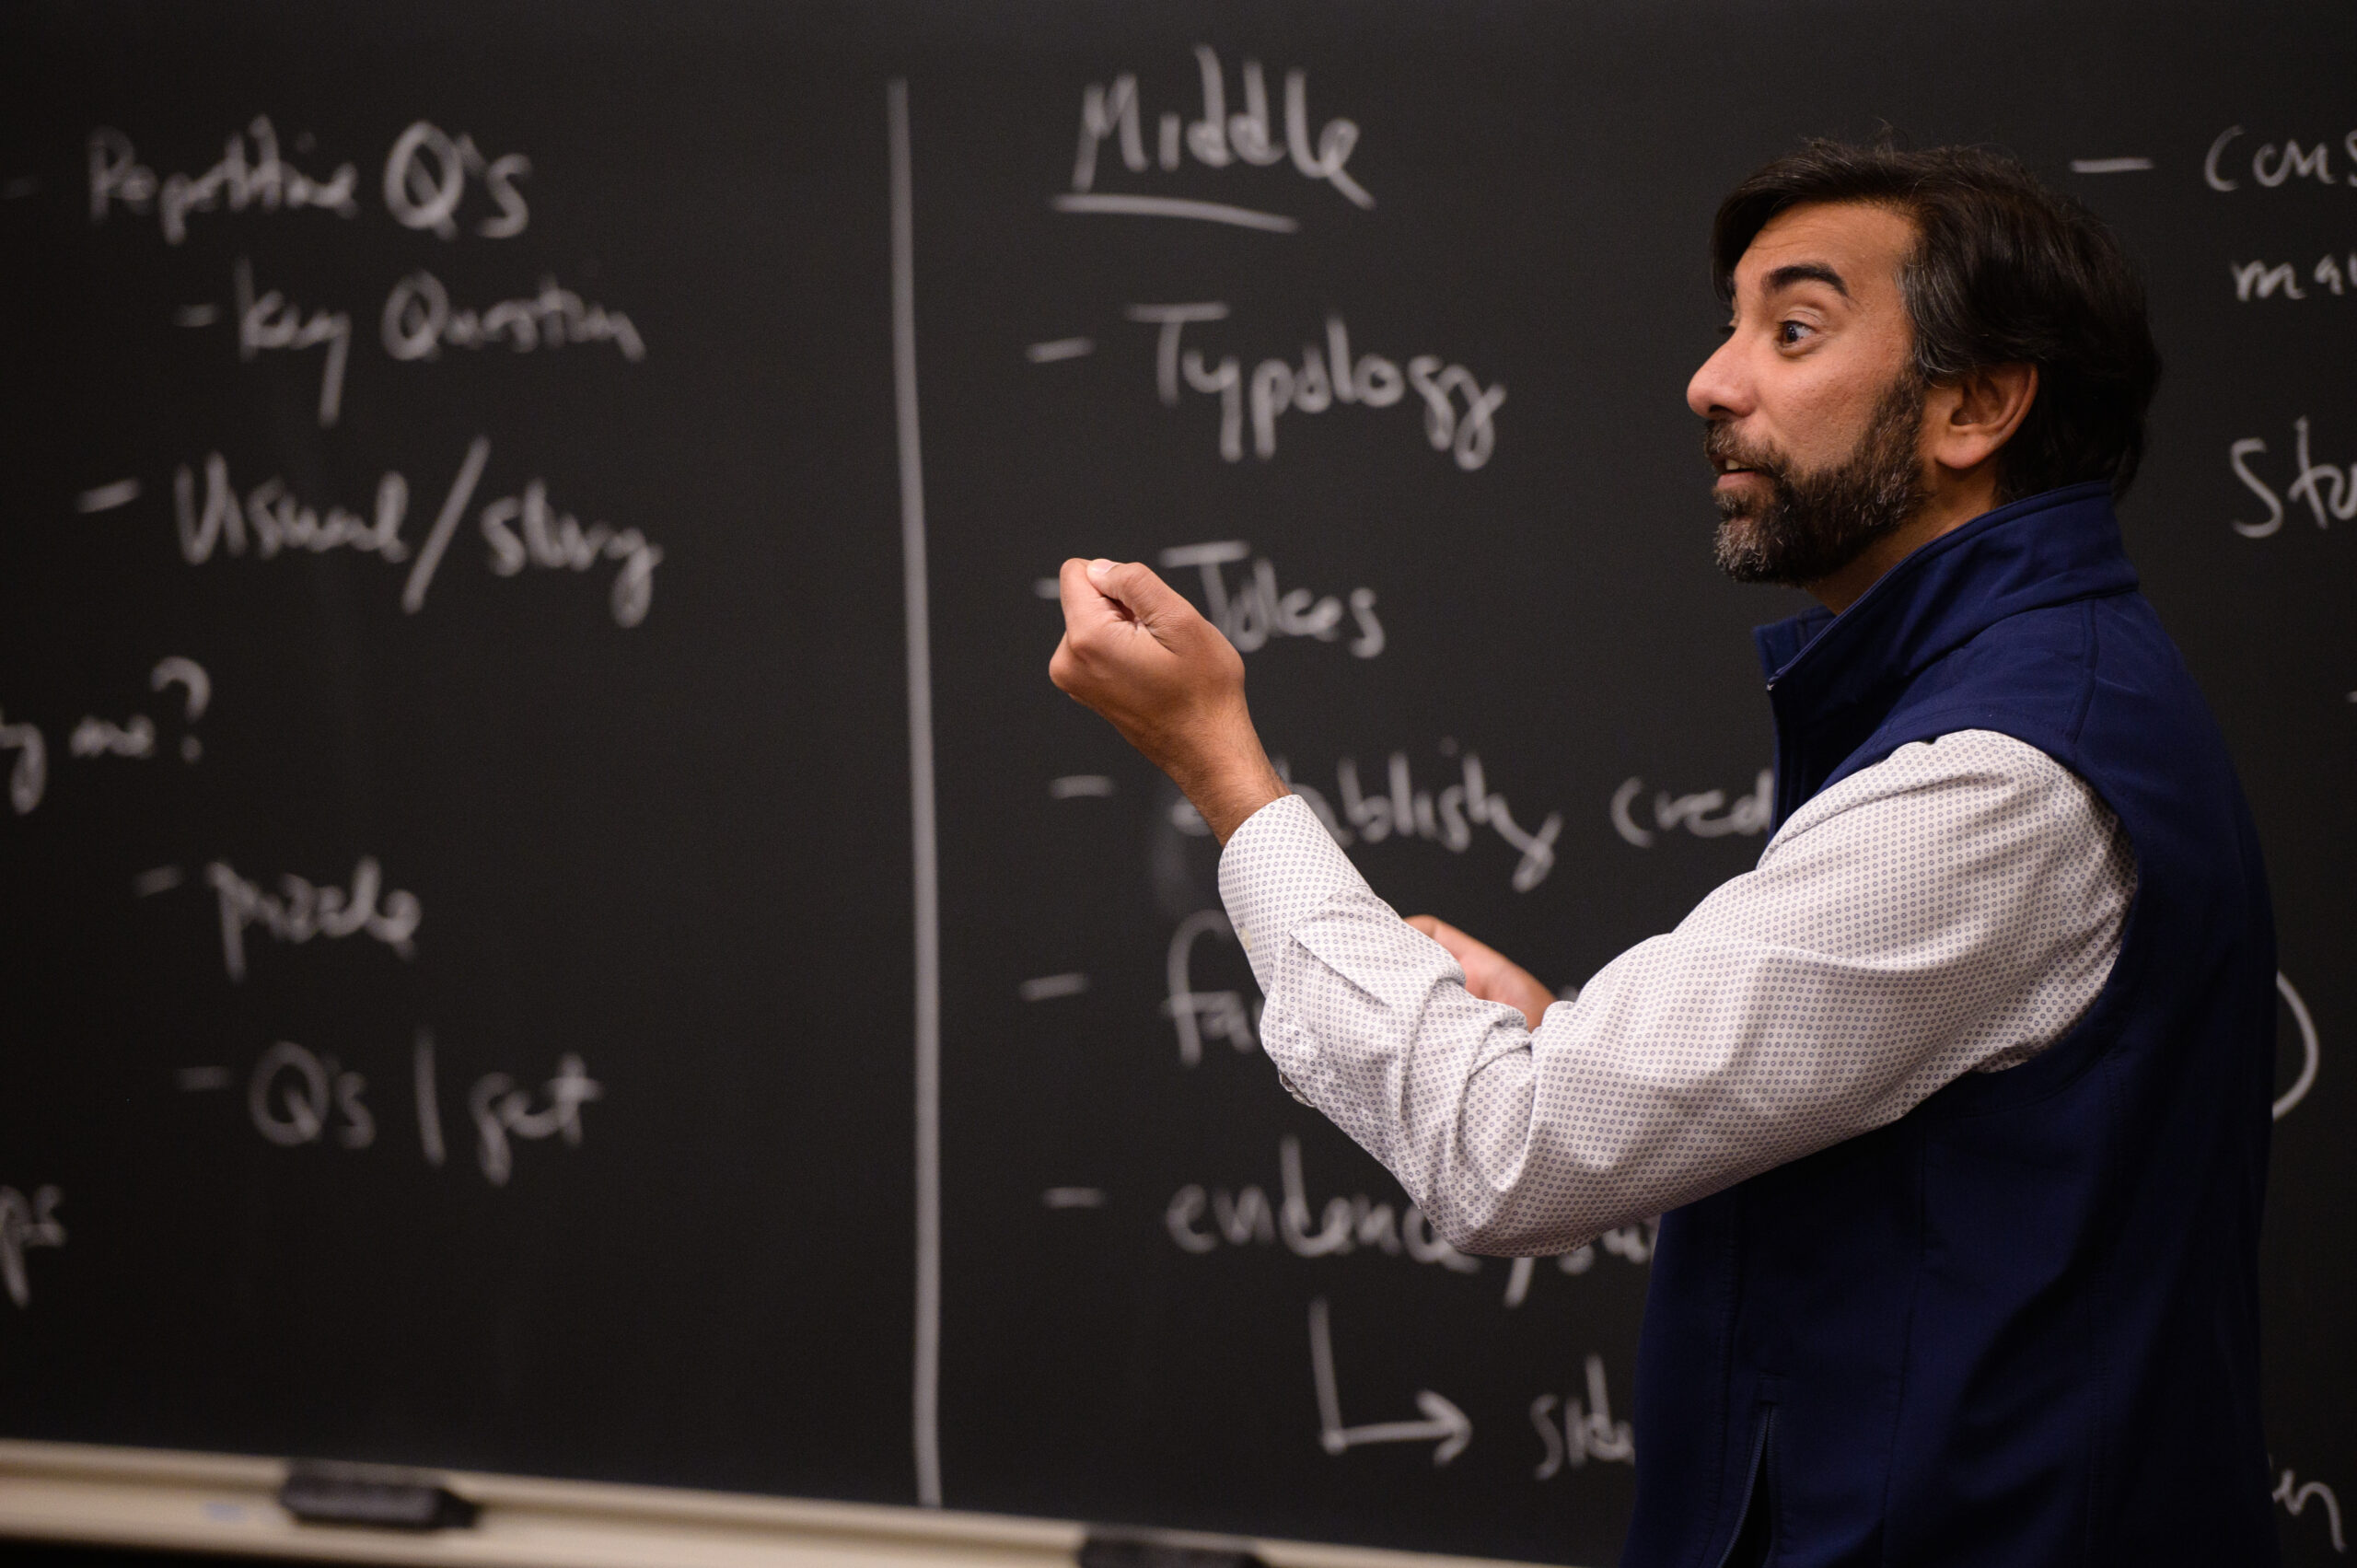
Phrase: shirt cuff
[1280,868]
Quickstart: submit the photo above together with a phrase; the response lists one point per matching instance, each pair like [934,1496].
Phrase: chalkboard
[553,922]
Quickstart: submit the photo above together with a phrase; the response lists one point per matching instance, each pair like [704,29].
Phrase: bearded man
[1955,1108]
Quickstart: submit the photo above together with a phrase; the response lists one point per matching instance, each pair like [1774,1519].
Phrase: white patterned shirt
[1952,909]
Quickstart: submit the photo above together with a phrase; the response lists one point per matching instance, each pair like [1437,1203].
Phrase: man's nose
[1718,390]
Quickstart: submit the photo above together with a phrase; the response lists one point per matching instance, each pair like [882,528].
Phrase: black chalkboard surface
[552,920]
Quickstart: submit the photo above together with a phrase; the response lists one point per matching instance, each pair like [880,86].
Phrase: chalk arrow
[1442,1420]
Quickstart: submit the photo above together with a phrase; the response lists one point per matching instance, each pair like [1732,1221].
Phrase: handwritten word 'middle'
[1216,138]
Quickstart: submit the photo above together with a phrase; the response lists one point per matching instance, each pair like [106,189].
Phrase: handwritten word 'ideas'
[1325,376]
[523,531]
[1216,138]
[2327,491]
[1254,610]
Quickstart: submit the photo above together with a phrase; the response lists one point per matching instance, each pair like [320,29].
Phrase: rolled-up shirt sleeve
[1951,909]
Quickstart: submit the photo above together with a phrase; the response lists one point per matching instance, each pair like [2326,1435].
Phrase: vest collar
[2054,547]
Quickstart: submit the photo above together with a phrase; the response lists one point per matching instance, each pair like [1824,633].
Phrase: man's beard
[1811,525]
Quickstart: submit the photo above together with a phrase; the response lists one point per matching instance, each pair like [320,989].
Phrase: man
[1957,1107]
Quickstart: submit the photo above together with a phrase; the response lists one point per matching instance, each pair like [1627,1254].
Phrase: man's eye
[1789,333]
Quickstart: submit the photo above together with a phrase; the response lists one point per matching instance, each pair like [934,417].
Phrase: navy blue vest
[2020,1324]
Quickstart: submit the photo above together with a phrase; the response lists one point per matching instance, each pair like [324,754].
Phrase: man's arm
[1954,908]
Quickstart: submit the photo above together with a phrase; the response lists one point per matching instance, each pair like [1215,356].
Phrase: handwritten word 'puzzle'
[1254,611]
[299,911]
[1326,376]
[1215,139]
[1705,815]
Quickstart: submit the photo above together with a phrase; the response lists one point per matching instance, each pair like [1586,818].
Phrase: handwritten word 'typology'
[1326,376]
[263,180]
[418,321]
[1254,610]
[523,530]
[2326,490]
[1749,814]
[299,911]
[1216,139]
[1244,1218]
[26,1223]
[2272,165]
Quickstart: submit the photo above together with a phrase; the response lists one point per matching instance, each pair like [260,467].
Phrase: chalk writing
[293,1096]
[425,182]
[2333,274]
[419,322]
[2327,491]
[1243,1217]
[1585,1432]
[271,321]
[1216,138]
[300,910]
[1442,1419]
[2295,1495]
[1633,1242]
[524,531]
[263,180]
[2271,163]
[503,1111]
[1255,611]
[1326,376]
[1220,1015]
[26,1223]
[1706,814]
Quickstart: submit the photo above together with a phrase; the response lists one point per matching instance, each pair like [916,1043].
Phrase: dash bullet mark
[1053,985]
[163,879]
[1061,348]
[194,1080]
[196,315]
[2111,165]
[1074,1197]
[1072,785]
[107,497]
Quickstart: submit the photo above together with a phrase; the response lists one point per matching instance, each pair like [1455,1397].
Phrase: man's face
[1815,411]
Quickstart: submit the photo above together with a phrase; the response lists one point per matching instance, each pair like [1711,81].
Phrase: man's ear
[1979,414]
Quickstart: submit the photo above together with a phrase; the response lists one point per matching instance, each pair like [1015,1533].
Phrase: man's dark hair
[2004,272]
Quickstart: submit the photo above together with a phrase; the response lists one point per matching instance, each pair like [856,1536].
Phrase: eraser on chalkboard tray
[375,1496]
[1130,1549]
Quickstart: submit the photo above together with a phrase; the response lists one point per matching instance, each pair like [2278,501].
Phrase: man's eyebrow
[1786,276]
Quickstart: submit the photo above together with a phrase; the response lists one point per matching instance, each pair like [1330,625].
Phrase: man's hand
[1489,974]
[1138,652]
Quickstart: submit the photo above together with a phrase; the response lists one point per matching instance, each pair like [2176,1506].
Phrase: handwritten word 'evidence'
[2273,163]
[299,912]
[1216,138]
[296,1097]
[1588,1433]
[26,1223]
[523,530]
[1749,814]
[1254,610]
[1326,376]
[1244,1218]
[132,737]
[426,179]
[2326,490]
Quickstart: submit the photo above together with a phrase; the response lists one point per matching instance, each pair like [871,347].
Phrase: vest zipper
[1751,1486]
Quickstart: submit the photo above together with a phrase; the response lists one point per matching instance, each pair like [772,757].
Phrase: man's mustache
[1726,449]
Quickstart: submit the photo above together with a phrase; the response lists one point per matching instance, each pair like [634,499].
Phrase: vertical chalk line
[925,1402]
